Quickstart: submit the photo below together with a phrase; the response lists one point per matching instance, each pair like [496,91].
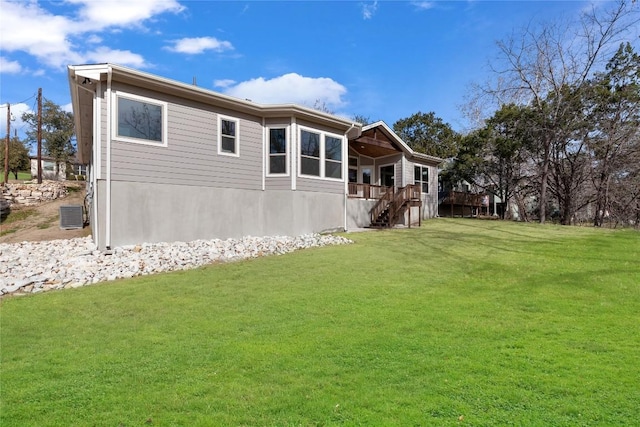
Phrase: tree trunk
[544,177]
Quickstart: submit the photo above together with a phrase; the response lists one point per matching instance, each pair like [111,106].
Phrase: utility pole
[6,148]
[39,133]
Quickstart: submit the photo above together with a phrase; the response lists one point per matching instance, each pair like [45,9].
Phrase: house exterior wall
[191,153]
[359,213]
[49,169]
[152,212]
[182,187]
[187,190]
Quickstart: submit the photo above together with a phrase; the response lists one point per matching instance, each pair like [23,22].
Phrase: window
[333,157]
[421,177]
[320,155]
[353,169]
[140,120]
[228,136]
[277,151]
[309,153]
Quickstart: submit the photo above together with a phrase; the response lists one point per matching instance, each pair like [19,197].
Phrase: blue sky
[385,60]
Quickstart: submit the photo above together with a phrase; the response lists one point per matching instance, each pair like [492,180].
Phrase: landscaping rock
[31,267]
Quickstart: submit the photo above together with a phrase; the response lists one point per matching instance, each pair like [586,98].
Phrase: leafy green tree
[18,157]
[57,132]
[428,134]
[615,142]
[494,157]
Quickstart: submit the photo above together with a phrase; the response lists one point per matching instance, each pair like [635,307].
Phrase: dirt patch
[42,222]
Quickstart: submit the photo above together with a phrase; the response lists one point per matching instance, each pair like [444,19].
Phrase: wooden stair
[387,212]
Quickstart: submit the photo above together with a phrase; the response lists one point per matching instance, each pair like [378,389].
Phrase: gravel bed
[32,267]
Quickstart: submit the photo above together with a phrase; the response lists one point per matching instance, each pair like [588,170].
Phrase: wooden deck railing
[461,198]
[366,191]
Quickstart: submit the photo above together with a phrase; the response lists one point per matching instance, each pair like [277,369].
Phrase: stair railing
[382,204]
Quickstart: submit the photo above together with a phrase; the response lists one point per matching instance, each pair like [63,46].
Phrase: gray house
[170,161]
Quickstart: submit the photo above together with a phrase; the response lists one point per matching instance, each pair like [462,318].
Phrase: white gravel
[31,267]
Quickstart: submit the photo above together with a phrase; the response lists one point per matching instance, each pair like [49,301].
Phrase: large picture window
[277,152]
[228,130]
[140,120]
[421,177]
[320,154]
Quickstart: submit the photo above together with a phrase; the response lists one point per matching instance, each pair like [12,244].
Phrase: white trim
[322,153]
[293,137]
[264,151]
[236,153]
[96,168]
[379,181]
[421,166]
[107,230]
[114,119]
[267,155]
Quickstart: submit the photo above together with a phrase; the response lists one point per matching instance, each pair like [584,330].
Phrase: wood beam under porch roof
[373,146]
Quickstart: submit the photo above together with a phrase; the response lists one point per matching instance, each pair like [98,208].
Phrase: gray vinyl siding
[366,161]
[320,185]
[191,154]
[278,183]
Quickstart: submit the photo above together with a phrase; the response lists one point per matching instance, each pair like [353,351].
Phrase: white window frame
[236,153]
[323,159]
[132,97]
[286,150]
[420,181]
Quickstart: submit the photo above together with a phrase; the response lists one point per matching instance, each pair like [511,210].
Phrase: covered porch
[380,191]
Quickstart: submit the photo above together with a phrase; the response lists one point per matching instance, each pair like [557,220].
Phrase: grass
[22,176]
[460,322]
[17,215]
[47,222]
[4,232]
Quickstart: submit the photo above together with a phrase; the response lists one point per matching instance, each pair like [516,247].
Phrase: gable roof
[82,79]
[396,140]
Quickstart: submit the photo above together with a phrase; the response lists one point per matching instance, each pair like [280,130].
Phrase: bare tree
[545,65]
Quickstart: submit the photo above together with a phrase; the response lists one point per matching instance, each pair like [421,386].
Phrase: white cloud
[369,9]
[115,56]
[290,88]
[16,117]
[9,67]
[223,83]
[27,27]
[101,14]
[197,45]
[423,5]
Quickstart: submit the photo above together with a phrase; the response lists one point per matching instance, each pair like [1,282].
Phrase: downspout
[264,154]
[96,169]
[345,172]
[109,131]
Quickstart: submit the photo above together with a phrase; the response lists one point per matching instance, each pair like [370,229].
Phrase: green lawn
[460,322]
[22,176]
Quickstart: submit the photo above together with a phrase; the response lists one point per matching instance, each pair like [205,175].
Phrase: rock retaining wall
[31,194]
